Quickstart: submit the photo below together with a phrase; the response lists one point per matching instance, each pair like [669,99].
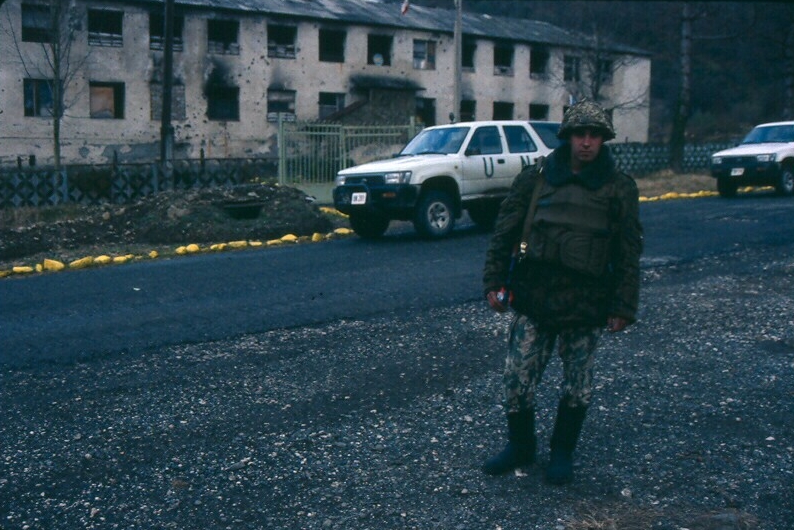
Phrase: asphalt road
[79,315]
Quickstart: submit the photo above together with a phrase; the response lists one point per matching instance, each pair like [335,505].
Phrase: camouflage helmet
[586,114]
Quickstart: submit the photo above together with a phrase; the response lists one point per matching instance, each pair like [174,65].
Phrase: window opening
[281,41]
[222,37]
[469,49]
[38,97]
[379,49]
[331,103]
[157,32]
[503,58]
[223,103]
[468,110]
[538,111]
[502,110]
[426,111]
[37,23]
[538,62]
[332,46]
[280,102]
[106,100]
[105,27]
[572,68]
[424,54]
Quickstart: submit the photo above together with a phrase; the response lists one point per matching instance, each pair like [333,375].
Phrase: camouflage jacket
[550,293]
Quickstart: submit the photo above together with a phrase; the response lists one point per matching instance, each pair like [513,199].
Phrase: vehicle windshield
[770,134]
[436,141]
[547,130]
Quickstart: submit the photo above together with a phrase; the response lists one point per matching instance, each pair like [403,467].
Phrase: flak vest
[571,228]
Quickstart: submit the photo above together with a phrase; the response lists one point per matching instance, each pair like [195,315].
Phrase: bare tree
[53,24]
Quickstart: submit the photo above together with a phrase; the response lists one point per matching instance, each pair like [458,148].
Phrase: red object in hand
[505,297]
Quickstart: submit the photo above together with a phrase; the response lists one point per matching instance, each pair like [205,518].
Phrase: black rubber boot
[520,448]
[567,428]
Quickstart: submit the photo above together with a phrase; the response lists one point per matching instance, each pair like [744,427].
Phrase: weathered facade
[241,65]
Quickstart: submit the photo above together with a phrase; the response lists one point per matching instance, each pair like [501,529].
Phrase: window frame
[218,97]
[534,107]
[105,27]
[277,97]
[327,109]
[503,58]
[39,28]
[571,68]
[279,43]
[331,45]
[539,58]
[32,91]
[118,99]
[379,44]
[499,107]
[424,54]
[157,40]
[219,39]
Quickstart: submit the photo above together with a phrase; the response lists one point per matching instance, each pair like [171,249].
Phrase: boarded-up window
[106,100]
[177,102]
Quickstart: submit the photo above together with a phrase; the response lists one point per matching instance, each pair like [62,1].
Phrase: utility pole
[458,37]
[166,129]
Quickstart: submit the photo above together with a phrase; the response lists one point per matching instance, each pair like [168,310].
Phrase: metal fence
[638,159]
[313,153]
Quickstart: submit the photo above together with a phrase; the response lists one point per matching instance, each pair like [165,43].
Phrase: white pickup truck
[441,172]
[764,158]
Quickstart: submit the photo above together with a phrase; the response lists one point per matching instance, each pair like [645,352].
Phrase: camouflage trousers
[529,352]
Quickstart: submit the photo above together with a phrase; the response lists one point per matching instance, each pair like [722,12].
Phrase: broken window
[38,97]
[281,41]
[222,37]
[538,111]
[379,49]
[426,111]
[157,32]
[331,103]
[332,46]
[177,102]
[223,103]
[106,100]
[424,54]
[280,102]
[37,23]
[502,110]
[538,62]
[105,27]
[469,47]
[572,68]
[468,110]
[503,58]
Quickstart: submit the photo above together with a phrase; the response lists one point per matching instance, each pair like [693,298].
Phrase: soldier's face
[585,145]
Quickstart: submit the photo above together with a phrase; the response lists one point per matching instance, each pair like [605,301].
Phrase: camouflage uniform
[578,266]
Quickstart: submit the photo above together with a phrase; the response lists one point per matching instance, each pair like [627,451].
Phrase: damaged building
[240,66]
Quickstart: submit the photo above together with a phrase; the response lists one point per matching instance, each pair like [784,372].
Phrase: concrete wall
[136,137]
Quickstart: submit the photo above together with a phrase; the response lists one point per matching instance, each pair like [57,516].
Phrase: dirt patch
[159,222]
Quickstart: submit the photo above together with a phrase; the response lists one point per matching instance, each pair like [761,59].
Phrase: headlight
[397,177]
[340,180]
[766,158]
[716,160]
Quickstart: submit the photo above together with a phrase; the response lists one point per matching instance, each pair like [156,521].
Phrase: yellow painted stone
[274,242]
[317,237]
[121,259]
[102,260]
[255,243]
[81,263]
[24,269]
[3,274]
[238,244]
[181,250]
[153,254]
[343,231]
[192,248]
[53,265]
[289,238]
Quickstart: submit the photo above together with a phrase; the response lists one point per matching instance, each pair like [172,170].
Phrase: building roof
[387,14]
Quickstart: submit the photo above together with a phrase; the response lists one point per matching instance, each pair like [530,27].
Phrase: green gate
[313,152]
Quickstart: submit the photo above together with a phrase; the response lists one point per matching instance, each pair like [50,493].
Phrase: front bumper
[395,201]
[747,171]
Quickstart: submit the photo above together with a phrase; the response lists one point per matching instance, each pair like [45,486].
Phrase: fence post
[282,161]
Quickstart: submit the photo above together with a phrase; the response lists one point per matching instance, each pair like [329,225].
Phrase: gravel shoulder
[384,422]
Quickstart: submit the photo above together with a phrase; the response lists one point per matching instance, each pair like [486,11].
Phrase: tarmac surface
[384,421]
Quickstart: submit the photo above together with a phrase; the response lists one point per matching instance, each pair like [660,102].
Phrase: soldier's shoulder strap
[540,180]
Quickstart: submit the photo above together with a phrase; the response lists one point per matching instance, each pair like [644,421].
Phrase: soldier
[565,256]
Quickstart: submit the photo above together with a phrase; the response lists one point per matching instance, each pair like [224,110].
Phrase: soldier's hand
[493,301]
[615,324]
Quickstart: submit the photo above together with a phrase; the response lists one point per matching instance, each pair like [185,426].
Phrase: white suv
[441,172]
[764,158]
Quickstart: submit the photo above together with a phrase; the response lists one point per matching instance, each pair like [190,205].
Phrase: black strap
[533,206]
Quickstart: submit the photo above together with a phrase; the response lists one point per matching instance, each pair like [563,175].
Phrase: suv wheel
[435,216]
[368,226]
[484,213]
[726,187]
[785,185]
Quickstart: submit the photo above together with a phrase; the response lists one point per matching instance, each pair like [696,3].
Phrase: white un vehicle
[441,172]
[764,158]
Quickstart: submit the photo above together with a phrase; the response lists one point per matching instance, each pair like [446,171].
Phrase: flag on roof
[405,6]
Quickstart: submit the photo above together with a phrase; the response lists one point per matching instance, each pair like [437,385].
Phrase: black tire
[726,187]
[368,226]
[785,185]
[484,213]
[435,215]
